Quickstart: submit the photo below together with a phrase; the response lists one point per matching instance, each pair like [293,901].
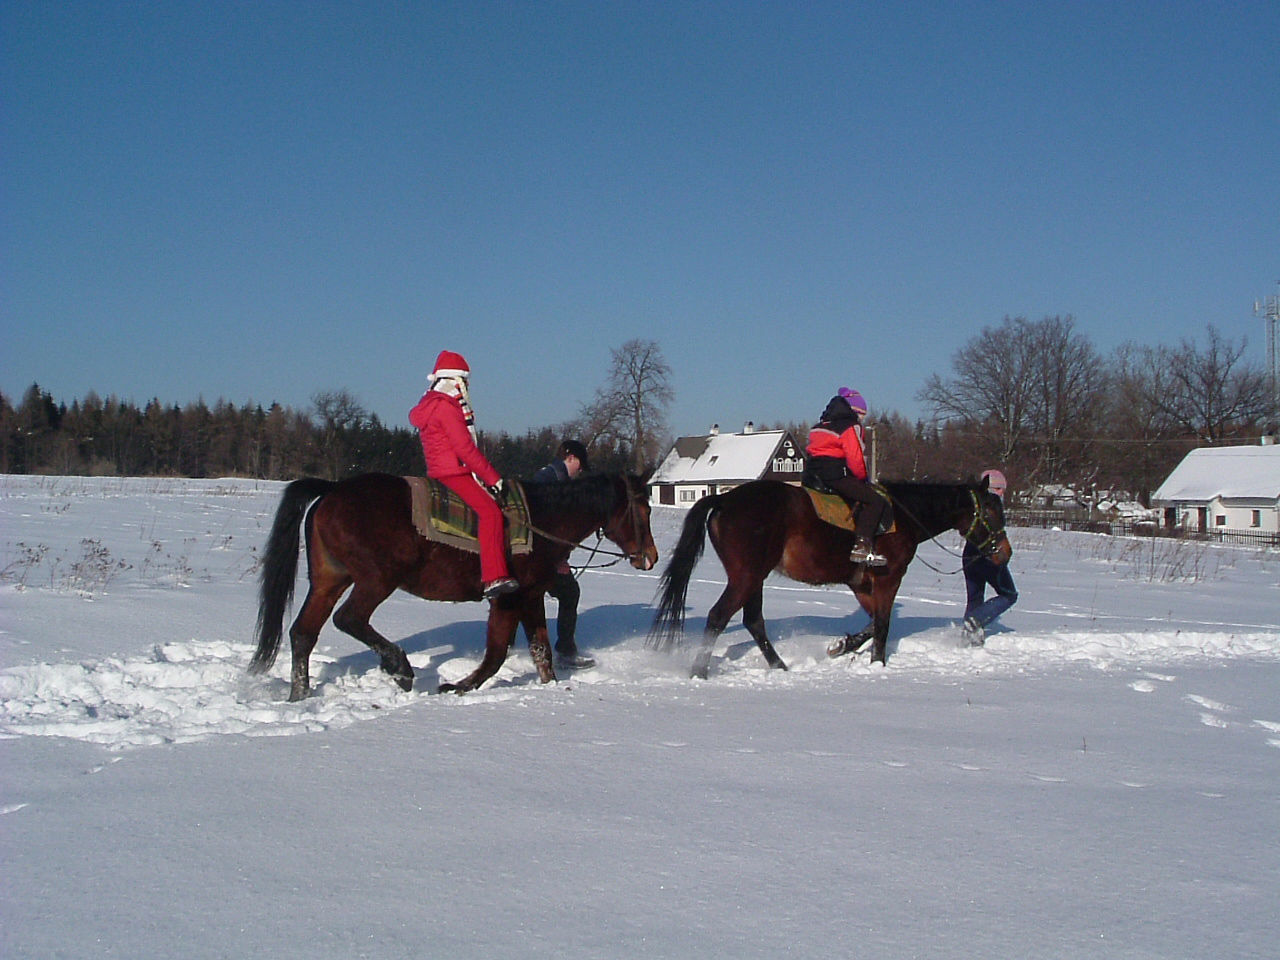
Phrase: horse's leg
[321,596]
[730,602]
[533,617]
[883,592]
[753,620]
[353,618]
[504,617]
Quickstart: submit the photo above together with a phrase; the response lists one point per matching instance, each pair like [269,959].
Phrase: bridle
[985,547]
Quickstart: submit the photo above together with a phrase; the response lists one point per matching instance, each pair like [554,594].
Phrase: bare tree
[338,414]
[1027,394]
[1213,390]
[992,386]
[631,405]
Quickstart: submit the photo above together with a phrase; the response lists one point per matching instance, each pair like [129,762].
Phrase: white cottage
[715,462]
[1224,488]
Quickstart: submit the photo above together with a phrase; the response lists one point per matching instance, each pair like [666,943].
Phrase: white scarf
[456,387]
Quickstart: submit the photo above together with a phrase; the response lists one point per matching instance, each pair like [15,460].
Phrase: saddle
[441,516]
[834,509]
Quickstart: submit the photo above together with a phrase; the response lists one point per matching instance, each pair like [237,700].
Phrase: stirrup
[500,586]
[867,555]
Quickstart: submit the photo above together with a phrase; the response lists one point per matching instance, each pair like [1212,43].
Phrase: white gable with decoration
[1229,488]
[716,462]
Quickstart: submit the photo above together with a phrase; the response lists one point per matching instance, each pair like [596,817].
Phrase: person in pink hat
[834,458]
[979,573]
[446,425]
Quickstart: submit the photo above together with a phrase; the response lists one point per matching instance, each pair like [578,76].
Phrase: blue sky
[262,200]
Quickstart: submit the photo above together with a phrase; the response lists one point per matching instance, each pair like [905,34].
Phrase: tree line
[1035,398]
[623,426]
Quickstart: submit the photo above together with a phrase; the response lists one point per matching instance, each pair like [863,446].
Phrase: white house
[698,466]
[1228,488]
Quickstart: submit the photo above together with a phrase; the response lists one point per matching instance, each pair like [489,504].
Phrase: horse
[360,534]
[767,525]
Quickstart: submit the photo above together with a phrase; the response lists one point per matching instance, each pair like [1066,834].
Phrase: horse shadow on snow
[599,628]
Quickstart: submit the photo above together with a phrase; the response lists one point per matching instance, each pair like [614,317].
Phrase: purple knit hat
[854,399]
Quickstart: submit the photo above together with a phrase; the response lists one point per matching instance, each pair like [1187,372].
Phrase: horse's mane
[596,493]
[928,487]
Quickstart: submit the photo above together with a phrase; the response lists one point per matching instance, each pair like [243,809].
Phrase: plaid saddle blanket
[440,515]
[835,510]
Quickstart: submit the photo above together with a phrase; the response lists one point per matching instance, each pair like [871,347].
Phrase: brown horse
[360,534]
[766,525]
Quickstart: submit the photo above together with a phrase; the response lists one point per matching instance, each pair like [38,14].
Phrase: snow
[1099,780]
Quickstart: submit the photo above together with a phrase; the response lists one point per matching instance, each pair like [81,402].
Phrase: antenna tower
[1269,310]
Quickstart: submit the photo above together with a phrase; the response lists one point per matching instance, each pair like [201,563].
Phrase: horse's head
[628,524]
[985,526]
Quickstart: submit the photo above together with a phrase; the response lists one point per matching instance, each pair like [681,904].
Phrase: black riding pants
[871,504]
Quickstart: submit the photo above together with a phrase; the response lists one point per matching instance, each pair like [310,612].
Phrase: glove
[496,490]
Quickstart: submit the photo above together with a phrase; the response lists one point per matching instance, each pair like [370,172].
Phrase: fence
[1080,520]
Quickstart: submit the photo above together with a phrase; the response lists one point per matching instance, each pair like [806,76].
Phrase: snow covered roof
[1213,472]
[719,457]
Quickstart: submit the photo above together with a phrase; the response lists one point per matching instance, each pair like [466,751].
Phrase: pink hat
[996,481]
[450,364]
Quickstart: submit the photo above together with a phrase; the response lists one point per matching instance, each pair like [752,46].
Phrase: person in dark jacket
[446,426]
[979,573]
[835,458]
[571,459]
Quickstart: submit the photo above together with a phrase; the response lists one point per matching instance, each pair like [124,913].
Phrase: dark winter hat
[577,449]
[450,364]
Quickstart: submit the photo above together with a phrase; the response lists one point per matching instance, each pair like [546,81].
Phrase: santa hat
[450,364]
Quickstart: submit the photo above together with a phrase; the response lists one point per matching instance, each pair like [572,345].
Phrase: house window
[688,496]
[713,459]
[1255,520]
[1219,520]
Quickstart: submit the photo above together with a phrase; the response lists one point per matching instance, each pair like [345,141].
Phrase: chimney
[715,430]
[749,427]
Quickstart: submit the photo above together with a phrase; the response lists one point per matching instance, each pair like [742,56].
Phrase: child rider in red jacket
[446,425]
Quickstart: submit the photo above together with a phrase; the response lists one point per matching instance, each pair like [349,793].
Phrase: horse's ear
[984,484]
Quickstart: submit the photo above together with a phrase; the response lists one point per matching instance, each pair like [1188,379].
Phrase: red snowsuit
[452,457]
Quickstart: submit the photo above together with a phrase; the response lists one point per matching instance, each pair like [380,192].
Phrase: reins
[597,548]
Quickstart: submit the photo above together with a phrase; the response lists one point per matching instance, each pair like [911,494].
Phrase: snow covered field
[1101,780]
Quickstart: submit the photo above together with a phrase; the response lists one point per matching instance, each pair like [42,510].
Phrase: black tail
[668,625]
[280,567]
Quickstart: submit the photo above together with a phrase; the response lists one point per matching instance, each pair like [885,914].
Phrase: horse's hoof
[838,647]
[405,683]
[295,695]
[450,688]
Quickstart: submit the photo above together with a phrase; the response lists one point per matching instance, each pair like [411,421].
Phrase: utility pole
[1269,310]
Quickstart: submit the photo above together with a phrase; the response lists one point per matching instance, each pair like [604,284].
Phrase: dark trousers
[980,573]
[564,588]
[871,504]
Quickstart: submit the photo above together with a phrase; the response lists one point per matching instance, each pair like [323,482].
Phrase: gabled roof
[1212,472]
[719,458]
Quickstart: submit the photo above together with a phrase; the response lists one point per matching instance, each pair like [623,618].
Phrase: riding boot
[863,549]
